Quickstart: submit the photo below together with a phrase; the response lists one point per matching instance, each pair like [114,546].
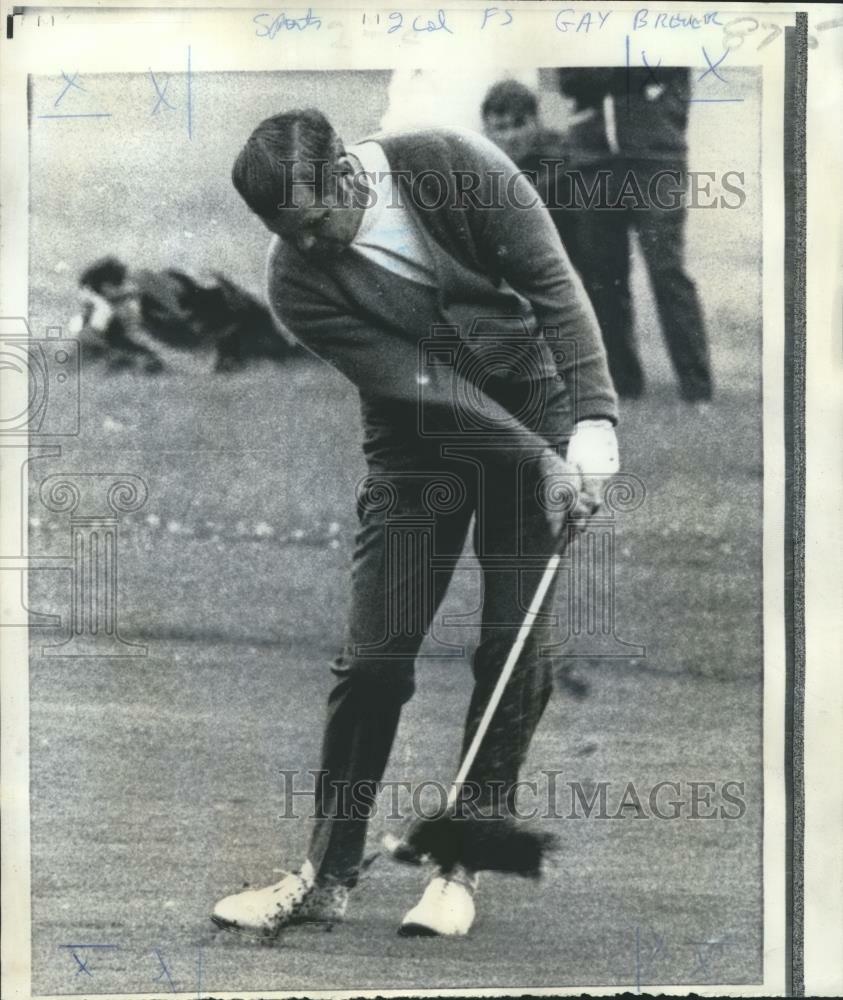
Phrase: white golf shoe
[324,904]
[296,898]
[446,907]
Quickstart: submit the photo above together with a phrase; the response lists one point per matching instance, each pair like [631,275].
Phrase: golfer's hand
[593,457]
[558,491]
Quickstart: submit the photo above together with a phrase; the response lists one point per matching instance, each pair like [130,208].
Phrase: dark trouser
[415,512]
[603,252]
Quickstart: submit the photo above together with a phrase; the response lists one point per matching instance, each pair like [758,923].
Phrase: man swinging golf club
[390,257]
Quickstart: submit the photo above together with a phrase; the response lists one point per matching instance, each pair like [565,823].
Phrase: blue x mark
[162,94]
[70,81]
[712,67]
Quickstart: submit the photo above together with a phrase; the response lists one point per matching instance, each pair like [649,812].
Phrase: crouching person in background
[109,316]
[128,318]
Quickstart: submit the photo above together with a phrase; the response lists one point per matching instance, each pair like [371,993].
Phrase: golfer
[425,268]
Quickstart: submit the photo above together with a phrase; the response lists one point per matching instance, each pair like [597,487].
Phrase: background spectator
[637,125]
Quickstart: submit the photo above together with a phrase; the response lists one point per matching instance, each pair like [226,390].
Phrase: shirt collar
[373,162]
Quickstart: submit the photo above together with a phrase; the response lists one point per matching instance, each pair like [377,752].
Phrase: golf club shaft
[505,674]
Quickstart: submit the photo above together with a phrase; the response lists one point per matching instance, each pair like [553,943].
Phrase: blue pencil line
[106,114]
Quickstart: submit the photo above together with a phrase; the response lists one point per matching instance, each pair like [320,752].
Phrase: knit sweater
[481,254]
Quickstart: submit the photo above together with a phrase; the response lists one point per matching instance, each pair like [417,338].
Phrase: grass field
[155,784]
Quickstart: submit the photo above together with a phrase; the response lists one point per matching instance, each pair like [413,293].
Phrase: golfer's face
[318,225]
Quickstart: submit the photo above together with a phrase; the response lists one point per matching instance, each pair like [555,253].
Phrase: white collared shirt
[388,234]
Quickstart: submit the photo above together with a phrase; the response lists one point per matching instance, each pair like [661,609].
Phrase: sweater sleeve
[389,367]
[522,244]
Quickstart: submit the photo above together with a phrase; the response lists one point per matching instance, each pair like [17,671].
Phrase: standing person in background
[510,113]
[637,128]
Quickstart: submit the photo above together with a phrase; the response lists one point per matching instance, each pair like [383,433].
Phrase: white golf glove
[593,453]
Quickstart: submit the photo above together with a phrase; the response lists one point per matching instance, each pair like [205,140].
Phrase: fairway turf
[155,781]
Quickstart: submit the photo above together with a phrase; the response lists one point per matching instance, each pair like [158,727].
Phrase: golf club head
[399,850]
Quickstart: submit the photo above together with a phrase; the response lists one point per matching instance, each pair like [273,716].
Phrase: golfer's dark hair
[509,97]
[106,270]
[262,170]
